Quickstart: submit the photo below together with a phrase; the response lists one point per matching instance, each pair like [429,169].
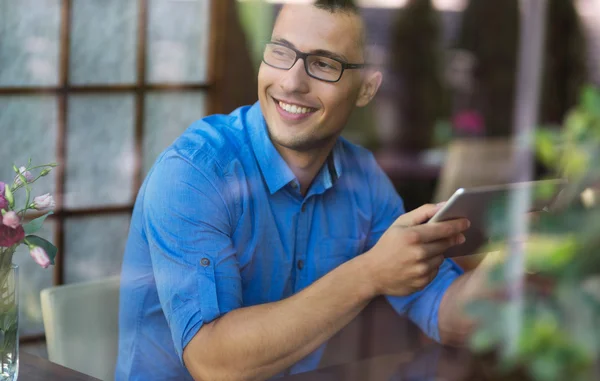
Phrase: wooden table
[34,368]
[432,363]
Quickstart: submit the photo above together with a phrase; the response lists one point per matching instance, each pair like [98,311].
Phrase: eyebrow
[319,52]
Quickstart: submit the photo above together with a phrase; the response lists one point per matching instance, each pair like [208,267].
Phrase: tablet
[476,204]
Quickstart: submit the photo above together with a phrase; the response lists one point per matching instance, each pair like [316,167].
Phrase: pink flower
[468,122]
[28,176]
[44,202]
[39,256]
[9,236]
[11,220]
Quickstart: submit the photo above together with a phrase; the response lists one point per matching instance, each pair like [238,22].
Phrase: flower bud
[28,176]
[9,196]
[11,219]
[44,202]
[39,255]
[45,171]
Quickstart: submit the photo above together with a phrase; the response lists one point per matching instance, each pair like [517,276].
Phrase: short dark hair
[337,6]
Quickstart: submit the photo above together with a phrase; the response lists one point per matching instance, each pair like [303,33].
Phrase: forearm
[255,343]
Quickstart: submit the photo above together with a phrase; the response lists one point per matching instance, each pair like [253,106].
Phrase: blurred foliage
[560,335]
[490,30]
[416,61]
[257,18]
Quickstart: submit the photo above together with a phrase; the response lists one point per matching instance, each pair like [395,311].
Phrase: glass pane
[178,40]
[167,116]
[29,42]
[94,246]
[28,128]
[32,280]
[103,41]
[100,156]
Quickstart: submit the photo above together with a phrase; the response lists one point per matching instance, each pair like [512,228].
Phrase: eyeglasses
[317,66]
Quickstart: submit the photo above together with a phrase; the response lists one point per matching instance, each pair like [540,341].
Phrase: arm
[257,342]
[189,215]
[260,341]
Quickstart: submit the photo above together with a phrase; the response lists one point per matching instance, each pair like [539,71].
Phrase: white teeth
[294,109]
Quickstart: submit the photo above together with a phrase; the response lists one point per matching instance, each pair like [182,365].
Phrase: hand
[408,255]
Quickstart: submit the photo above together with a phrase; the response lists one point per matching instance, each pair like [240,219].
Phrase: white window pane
[29,42]
[32,280]
[94,246]
[178,34]
[100,156]
[167,115]
[103,41]
[28,128]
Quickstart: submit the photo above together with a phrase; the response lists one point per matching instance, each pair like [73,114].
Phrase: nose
[295,80]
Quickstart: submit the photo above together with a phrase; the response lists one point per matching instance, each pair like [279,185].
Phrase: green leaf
[591,100]
[50,249]
[34,226]
[545,144]
[483,340]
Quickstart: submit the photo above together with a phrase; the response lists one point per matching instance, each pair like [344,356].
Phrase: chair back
[81,323]
[474,163]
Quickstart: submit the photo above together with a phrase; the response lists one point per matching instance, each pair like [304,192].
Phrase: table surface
[34,368]
[432,363]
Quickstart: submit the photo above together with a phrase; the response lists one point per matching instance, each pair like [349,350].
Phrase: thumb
[419,215]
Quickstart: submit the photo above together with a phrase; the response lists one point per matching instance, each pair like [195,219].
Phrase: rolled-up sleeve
[188,223]
[421,307]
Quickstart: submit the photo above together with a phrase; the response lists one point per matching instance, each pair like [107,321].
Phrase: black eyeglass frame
[303,56]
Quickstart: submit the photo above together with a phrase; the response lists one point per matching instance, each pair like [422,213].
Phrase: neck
[305,164]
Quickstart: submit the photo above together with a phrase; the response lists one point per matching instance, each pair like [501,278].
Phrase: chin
[302,142]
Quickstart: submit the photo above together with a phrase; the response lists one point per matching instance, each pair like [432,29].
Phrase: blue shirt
[220,223]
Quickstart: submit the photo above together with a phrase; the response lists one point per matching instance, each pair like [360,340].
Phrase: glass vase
[9,322]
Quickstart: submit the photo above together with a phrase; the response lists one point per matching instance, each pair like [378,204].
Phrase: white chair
[81,323]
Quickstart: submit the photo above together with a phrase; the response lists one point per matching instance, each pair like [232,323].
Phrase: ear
[369,87]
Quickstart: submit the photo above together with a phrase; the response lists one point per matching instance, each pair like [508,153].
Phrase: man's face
[322,108]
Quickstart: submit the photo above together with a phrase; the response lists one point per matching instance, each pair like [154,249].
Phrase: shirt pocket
[335,251]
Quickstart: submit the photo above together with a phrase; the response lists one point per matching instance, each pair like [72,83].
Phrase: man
[260,234]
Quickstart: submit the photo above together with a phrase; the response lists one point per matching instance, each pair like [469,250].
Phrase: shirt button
[304,207]
[300,264]
[205,262]
[294,185]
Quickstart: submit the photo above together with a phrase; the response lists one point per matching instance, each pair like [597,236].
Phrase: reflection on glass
[103,41]
[100,157]
[29,42]
[94,246]
[32,280]
[28,127]
[167,116]
[178,40]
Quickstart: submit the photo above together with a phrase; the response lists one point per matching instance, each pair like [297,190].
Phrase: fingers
[419,215]
[440,230]
[427,270]
[429,252]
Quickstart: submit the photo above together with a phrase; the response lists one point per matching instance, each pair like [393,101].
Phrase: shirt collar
[275,171]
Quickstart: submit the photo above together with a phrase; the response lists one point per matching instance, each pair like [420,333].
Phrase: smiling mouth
[295,109]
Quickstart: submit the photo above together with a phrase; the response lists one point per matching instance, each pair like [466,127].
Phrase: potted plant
[15,203]
[559,337]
